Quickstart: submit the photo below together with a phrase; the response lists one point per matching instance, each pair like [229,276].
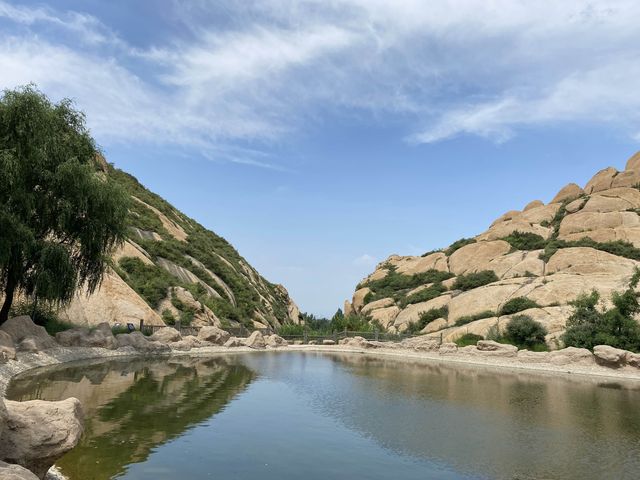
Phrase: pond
[288,415]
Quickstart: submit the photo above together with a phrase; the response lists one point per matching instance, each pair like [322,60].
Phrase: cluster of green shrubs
[525,241]
[472,318]
[524,332]
[468,339]
[590,325]
[470,281]
[149,281]
[395,285]
[458,244]
[517,304]
[426,318]
[424,295]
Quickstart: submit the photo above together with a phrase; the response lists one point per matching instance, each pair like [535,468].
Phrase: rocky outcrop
[255,340]
[166,335]
[139,342]
[37,433]
[532,256]
[27,335]
[15,472]
[100,336]
[214,335]
[275,341]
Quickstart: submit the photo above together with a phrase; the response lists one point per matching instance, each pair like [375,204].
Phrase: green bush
[472,318]
[426,318]
[458,244]
[475,280]
[468,339]
[395,285]
[517,304]
[524,332]
[525,241]
[424,295]
[43,314]
[150,281]
[167,317]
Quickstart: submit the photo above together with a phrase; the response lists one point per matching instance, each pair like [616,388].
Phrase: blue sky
[319,137]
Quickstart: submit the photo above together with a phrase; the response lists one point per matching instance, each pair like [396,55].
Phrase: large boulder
[476,256]
[7,347]
[234,342]
[275,341]
[411,265]
[255,340]
[572,356]
[15,472]
[100,336]
[39,432]
[634,162]
[214,335]
[27,335]
[568,192]
[358,298]
[610,356]
[166,335]
[187,343]
[139,342]
[492,348]
[357,342]
[603,180]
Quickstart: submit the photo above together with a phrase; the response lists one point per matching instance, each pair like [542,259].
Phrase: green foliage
[620,248]
[42,314]
[167,317]
[475,280]
[149,281]
[459,244]
[354,323]
[524,332]
[517,304]
[424,295]
[395,285]
[472,318]
[468,339]
[59,218]
[589,326]
[525,241]
[426,318]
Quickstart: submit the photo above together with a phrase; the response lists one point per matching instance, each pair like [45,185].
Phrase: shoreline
[27,362]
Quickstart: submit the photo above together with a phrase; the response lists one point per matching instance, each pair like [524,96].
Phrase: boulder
[603,180]
[357,342]
[568,192]
[382,303]
[581,224]
[533,204]
[411,265]
[234,342]
[427,345]
[491,348]
[572,356]
[358,298]
[7,348]
[436,325]
[384,316]
[255,340]
[139,342]
[518,224]
[39,432]
[348,308]
[166,335]
[634,162]
[187,343]
[610,356]
[328,341]
[628,178]
[412,312]
[275,341]
[312,342]
[214,335]
[476,256]
[22,328]
[448,348]
[633,359]
[526,356]
[15,472]
[100,336]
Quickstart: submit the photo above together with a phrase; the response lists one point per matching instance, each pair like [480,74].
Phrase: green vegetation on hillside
[473,280]
[458,244]
[517,304]
[426,318]
[525,241]
[395,285]
[472,318]
[524,332]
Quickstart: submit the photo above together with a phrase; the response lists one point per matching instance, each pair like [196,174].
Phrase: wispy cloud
[444,68]
[364,260]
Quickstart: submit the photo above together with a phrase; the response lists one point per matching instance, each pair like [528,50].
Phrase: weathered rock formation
[584,239]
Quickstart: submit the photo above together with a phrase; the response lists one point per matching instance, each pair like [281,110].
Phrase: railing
[193,330]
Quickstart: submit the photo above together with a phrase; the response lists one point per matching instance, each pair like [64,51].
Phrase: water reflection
[132,407]
[341,416]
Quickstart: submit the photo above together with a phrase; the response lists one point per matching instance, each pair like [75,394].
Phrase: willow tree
[59,215]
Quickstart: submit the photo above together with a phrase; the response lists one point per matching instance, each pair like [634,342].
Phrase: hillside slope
[173,269]
[533,261]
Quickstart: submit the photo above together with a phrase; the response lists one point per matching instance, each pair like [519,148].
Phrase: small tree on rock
[59,216]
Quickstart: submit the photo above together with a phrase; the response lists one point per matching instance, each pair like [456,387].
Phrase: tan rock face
[15,472]
[113,302]
[588,222]
[540,214]
[132,249]
[139,342]
[437,324]
[166,335]
[255,340]
[477,256]
[170,226]
[568,192]
[505,229]
[603,180]
[358,298]
[634,162]
[609,356]
[533,204]
[412,265]
[38,432]
[385,316]
[214,335]
[22,329]
[614,200]
[589,261]
[628,178]
[382,303]
[411,313]
[101,336]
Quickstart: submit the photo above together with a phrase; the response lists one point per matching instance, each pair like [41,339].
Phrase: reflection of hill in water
[133,406]
[482,421]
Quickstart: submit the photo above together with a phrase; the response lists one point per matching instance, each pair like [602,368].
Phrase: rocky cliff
[533,261]
[173,269]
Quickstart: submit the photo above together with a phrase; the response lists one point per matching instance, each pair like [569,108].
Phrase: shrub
[475,280]
[150,281]
[167,317]
[428,317]
[424,295]
[394,284]
[517,304]
[472,318]
[43,314]
[458,244]
[525,241]
[468,339]
[524,332]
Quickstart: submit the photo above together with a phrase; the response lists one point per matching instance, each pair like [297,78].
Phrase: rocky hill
[173,269]
[532,261]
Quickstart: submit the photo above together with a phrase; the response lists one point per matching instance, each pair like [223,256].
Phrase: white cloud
[364,260]
[444,68]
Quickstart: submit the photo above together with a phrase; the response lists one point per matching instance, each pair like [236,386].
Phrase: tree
[59,215]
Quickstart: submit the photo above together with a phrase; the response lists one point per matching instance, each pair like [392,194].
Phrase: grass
[468,339]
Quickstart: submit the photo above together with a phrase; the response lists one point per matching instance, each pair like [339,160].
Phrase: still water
[313,416]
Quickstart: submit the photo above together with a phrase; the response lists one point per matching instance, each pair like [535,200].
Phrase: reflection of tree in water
[162,401]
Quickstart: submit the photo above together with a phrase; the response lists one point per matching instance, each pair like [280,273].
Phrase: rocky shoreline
[22,428]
